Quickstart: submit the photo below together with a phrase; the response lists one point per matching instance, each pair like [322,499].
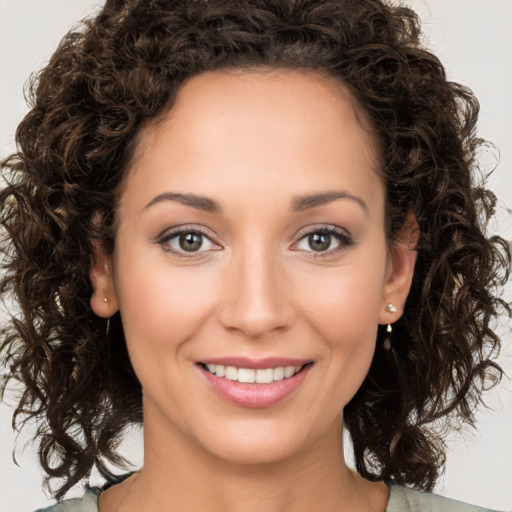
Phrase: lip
[255,396]
[256,364]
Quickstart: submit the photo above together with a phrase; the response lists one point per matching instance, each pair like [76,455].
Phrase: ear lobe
[400,271]
[104,298]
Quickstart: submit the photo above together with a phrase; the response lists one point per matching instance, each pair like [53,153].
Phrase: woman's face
[251,245]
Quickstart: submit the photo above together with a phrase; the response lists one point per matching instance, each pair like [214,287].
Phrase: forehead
[237,96]
[281,125]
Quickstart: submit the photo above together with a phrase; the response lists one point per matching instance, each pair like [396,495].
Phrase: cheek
[348,324]
[346,301]
[161,305]
[342,307]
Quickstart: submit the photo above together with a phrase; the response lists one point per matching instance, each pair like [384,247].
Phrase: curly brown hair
[123,68]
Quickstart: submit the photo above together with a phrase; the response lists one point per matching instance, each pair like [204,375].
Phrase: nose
[258,297]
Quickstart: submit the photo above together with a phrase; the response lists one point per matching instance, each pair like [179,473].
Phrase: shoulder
[403,499]
[87,503]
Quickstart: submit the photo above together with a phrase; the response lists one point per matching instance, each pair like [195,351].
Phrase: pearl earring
[105,299]
[391,308]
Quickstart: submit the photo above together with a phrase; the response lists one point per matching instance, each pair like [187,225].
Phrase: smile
[250,375]
[255,384]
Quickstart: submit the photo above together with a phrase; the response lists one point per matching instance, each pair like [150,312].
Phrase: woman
[256,222]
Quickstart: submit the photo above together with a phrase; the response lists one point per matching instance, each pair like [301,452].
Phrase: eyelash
[344,239]
[164,240]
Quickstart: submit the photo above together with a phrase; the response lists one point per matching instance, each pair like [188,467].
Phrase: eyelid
[345,239]
[342,235]
[168,234]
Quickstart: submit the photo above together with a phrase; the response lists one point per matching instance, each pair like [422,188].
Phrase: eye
[325,240]
[186,241]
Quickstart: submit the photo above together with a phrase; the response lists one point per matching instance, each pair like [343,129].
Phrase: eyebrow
[299,203]
[200,202]
[305,202]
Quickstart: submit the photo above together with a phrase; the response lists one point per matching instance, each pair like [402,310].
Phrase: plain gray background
[473,40]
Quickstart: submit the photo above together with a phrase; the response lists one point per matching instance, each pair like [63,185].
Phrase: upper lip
[256,364]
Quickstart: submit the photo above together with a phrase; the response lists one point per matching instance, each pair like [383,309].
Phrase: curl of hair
[123,68]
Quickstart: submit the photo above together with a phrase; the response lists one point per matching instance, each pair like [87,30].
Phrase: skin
[252,142]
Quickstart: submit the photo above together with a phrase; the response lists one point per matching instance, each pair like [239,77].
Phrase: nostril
[256,320]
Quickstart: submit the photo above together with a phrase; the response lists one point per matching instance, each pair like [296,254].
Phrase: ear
[400,271]
[104,299]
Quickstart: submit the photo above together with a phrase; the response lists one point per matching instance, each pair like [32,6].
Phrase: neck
[179,475]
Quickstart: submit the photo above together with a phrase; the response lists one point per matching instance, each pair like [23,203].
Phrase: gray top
[401,499]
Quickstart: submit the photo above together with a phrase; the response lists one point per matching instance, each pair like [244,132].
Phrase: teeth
[279,373]
[248,375]
[265,376]
[289,371]
[231,372]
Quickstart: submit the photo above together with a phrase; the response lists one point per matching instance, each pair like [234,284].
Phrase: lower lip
[255,395]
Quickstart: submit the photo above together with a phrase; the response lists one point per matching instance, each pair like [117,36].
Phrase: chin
[261,443]
[254,453]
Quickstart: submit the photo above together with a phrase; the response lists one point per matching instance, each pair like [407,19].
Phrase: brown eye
[190,242]
[319,241]
[187,241]
[325,241]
